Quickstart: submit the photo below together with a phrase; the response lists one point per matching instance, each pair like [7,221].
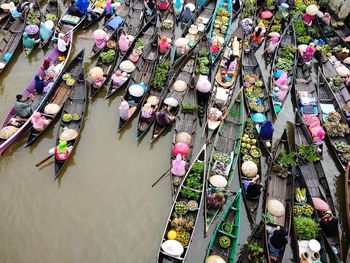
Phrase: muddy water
[103,209]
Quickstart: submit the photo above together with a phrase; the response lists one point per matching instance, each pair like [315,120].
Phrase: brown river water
[103,209]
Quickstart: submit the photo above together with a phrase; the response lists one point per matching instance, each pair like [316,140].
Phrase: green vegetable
[306,228]
[309,152]
[189,107]
[66,117]
[160,76]
[225,242]
[76,117]
[181,208]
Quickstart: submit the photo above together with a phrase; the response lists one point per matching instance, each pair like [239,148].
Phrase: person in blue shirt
[82,5]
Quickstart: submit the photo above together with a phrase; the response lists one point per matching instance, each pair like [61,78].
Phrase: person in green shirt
[23,106]
[29,42]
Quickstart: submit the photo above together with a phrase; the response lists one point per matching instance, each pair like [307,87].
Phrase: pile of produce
[277,22]
[51,17]
[202,67]
[334,127]
[343,151]
[108,57]
[286,58]
[137,51]
[284,162]
[309,152]
[167,24]
[100,4]
[32,19]
[335,83]
[300,195]
[182,226]
[249,8]
[306,228]
[221,22]
[225,242]
[222,163]
[161,75]
[253,88]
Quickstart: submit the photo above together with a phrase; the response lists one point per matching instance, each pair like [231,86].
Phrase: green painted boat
[223,160]
[219,245]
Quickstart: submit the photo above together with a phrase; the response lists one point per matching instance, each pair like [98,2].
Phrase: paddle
[43,161]
[160,178]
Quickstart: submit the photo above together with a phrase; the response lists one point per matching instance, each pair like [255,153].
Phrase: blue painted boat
[223,9]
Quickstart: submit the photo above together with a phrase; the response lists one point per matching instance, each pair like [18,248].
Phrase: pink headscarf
[203,84]
[282,81]
[123,43]
[281,94]
[274,40]
[124,110]
[308,19]
[178,166]
[37,120]
[108,6]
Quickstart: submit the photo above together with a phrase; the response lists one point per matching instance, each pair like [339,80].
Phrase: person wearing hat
[39,122]
[46,30]
[118,79]
[327,18]
[73,10]
[61,151]
[278,240]
[123,109]
[109,9]
[329,223]
[124,43]
[215,114]
[28,43]
[62,43]
[147,112]
[15,11]
[23,106]
[309,53]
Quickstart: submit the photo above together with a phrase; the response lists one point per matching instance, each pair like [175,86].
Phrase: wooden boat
[223,159]
[76,104]
[252,75]
[167,29]
[59,97]
[144,37]
[97,13]
[279,189]
[223,89]
[184,74]
[106,66]
[230,220]
[288,42]
[156,90]
[197,170]
[342,30]
[136,17]
[225,5]
[142,76]
[258,241]
[51,9]
[205,13]
[301,137]
[10,40]
[250,137]
[34,17]
[69,23]
[317,185]
[20,124]
[186,2]
[4,16]
[327,105]
[203,54]
[186,121]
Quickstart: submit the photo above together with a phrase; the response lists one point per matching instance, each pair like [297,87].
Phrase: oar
[43,161]
[160,178]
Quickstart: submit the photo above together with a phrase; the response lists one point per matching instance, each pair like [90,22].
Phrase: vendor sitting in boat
[252,189]
[278,240]
[164,45]
[228,67]
[329,223]
[109,9]
[215,114]
[23,105]
[257,37]
[97,77]
[90,15]
[163,5]
[46,30]
[272,44]
[125,42]
[83,6]
[118,79]
[62,44]
[61,151]
[29,43]
[73,10]
[148,112]
[39,122]
[150,6]
[164,118]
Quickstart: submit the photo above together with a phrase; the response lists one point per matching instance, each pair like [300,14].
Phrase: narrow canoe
[136,17]
[225,5]
[301,137]
[97,13]
[251,72]
[106,66]
[246,154]
[222,91]
[188,192]
[328,104]
[342,31]
[21,125]
[10,40]
[318,187]
[76,104]
[142,75]
[184,74]
[279,189]
[147,34]
[229,221]
[167,29]
[223,160]
[288,41]
[51,9]
[59,97]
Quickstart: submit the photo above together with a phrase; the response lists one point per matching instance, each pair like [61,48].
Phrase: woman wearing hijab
[109,9]
[28,42]
[39,84]
[46,30]
[124,109]
[186,15]
[61,151]
[278,240]
[39,122]
[147,112]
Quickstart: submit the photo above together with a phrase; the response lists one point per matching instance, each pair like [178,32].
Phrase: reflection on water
[104,209]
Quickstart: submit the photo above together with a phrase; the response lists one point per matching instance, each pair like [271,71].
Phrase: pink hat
[118,73]
[37,118]
[275,40]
